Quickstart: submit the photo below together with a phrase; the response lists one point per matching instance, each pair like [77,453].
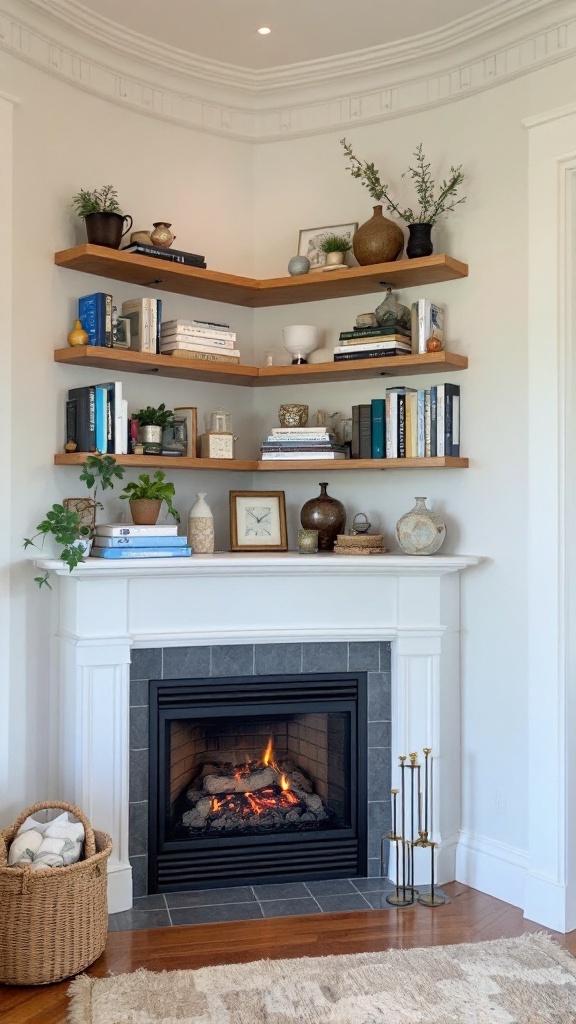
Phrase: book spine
[456,424]
[71,429]
[427,430]
[365,426]
[412,425]
[355,443]
[107,320]
[423,324]
[392,425]
[420,430]
[203,356]
[440,420]
[193,342]
[131,530]
[177,327]
[374,332]
[129,543]
[153,316]
[87,314]
[369,346]
[452,419]
[85,418]
[401,426]
[300,456]
[378,428]
[101,418]
[433,421]
[373,353]
[168,552]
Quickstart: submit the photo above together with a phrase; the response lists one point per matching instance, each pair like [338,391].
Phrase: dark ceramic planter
[107,229]
[419,241]
[325,514]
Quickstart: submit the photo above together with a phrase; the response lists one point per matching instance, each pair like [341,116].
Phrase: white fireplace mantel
[107,609]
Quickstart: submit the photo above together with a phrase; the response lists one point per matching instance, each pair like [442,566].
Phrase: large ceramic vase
[379,240]
[419,241]
[420,531]
[107,228]
[201,526]
[325,514]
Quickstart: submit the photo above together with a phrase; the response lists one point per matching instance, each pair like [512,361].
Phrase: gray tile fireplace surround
[261,659]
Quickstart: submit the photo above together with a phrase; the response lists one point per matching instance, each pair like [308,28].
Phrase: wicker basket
[53,923]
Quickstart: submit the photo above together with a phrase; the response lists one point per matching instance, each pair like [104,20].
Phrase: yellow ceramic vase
[77,335]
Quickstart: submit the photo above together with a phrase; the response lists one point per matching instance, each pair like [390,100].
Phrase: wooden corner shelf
[163,462]
[123,361]
[244,291]
[276,466]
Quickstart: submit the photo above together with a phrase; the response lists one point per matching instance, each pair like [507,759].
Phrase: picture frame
[189,413]
[310,238]
[258,521]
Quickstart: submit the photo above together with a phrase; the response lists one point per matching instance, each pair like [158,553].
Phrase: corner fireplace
[257,779]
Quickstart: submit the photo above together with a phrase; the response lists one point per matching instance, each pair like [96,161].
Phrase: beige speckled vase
[420,531]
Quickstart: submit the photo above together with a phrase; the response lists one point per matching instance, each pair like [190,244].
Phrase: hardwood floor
[469,917]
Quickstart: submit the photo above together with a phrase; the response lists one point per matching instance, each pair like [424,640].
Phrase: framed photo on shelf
[189,413]
[258,521]
[311,239]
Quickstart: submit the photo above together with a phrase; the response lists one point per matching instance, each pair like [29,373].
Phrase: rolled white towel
[61,838]
[24,846]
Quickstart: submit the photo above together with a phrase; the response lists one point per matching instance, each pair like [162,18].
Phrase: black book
[190,259]
[365,431]
[355,443]
[402,426]
[85,436]
[372,353]
[452,419]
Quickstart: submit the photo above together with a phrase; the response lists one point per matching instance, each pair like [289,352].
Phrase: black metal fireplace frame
[250,860]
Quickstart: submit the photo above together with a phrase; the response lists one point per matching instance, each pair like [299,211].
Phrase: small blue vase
[298,265]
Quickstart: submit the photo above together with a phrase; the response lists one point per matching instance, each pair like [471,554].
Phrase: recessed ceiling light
[264,31]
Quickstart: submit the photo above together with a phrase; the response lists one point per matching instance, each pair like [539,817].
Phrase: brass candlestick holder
[416,809]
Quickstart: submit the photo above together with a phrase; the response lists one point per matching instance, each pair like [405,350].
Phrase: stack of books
[372,343]
[188,259]
[199,339]
[125,540]
[301,443]
[408,423]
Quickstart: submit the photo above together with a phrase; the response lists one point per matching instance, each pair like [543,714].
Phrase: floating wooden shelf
[120,360]
[245,291]
[276,466]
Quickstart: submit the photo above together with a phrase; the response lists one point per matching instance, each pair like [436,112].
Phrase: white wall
[243,206]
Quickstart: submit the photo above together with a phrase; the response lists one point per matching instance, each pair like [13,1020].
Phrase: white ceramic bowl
[300,340]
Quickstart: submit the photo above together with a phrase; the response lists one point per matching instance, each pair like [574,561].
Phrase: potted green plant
[335,247]
[102,215]
[435,200]
[72,523]
[152,422]
[146,496]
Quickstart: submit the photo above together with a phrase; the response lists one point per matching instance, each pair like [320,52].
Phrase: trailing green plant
[154,488]
[100,200]
[336,243]
[434,199]
[68,526]
[151,417]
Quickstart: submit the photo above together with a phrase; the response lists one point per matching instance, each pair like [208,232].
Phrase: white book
[153,307]
[191,327]
[371,346]
[300,456]
[131,530]
[185,346]
[123,428]
[137,311]
[297,432]
[392,425]
[427,424]
[440,420]
[421,439]
[195,339]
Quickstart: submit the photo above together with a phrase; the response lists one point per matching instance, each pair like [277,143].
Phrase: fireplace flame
[268,755]
[284,783]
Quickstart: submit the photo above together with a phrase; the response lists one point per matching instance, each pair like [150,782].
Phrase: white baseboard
[491,867]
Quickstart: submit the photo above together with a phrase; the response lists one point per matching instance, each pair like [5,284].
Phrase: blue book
[433,421]
[156,552]
[142,542]
[378,428]
[101,417]
[95,313]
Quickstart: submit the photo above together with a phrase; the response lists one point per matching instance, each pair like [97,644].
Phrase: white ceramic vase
[300,340]
[201,526]
[420,531]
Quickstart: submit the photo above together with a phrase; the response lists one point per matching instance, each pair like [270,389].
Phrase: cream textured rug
[527,980]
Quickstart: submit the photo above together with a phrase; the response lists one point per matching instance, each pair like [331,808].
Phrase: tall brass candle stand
[403,895]
[432,898]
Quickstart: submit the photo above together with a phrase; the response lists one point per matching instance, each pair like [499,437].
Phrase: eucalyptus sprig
[434,200]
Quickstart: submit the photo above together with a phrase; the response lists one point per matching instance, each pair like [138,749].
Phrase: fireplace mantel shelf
[288,563]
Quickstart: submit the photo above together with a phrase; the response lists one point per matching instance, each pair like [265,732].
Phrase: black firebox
[257,779]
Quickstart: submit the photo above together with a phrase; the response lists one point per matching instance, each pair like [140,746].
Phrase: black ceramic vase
[419,241]
[325,514]
[107,228]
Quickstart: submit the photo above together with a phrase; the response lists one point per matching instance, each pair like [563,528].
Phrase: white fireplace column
[105,610]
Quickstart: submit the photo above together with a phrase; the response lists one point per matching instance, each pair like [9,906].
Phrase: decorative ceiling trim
[473,54]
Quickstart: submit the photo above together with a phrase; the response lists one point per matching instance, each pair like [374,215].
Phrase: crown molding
[503,42]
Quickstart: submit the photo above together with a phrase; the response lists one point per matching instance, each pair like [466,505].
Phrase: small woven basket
[54,922]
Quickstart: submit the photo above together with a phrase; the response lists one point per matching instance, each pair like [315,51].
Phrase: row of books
[125,540]
[408,423]
[97,419]
[301,443]
[197,339]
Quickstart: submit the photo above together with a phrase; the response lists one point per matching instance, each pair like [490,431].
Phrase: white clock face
[258,521]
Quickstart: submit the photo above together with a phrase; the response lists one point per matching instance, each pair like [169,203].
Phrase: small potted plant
[72,523]
[146,496]
[102,215]
[434,200]
[335,247]
[152,422]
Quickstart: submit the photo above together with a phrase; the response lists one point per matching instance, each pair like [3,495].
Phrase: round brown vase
[325,514]
[379,240]
[145,511]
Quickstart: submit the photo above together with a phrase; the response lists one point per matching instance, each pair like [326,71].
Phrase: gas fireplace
[257,779]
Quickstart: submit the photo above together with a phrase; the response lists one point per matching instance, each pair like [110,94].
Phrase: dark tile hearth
[247,903]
